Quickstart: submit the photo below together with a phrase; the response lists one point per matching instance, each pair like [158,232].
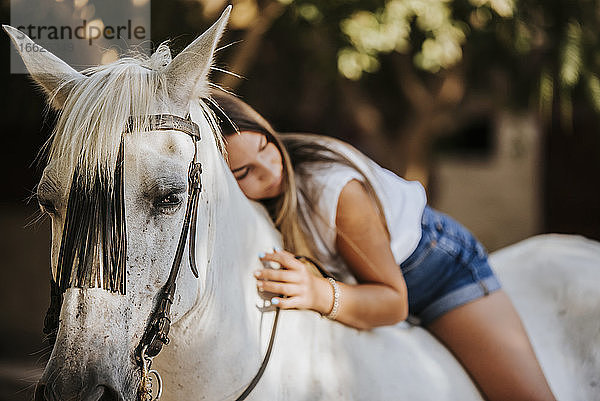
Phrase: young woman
[392,255]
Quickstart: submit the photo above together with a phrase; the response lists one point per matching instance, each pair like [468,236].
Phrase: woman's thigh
[488,338]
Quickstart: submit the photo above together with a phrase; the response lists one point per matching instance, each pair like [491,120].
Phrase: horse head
[116,187]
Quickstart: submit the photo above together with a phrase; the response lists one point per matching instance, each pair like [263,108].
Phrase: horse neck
[241,232]
[224,327]
[236,231]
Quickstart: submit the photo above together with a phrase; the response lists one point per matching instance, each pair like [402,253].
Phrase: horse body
[553,280]
[218,346]
[218,336]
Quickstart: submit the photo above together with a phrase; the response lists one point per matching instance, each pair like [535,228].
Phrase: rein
[157,331]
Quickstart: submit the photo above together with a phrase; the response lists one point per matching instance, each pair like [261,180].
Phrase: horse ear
[55,76]
[187,73]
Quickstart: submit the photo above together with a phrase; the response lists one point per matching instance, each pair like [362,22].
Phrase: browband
[163,122]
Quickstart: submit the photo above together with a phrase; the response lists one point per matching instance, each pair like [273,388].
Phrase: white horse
[218,335]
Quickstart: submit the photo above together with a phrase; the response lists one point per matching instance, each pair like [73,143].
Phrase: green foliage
[546,48]
[389,29]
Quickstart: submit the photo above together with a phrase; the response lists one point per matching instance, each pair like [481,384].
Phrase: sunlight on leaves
[504,8]
[352,63]
[593,84]
[480,17]
[388,29]
[310,13]
[523,38]
[571,56]
[243,14]
[546,94]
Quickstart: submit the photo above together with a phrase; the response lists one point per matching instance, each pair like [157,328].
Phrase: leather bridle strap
[156,333]
[264,363]
[263,366]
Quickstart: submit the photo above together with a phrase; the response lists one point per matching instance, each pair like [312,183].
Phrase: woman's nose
[262,172]
[263,175]
[265,167]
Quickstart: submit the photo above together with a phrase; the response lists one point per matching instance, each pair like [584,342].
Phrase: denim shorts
[448,268]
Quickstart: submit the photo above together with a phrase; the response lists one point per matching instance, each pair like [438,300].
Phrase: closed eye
[244,172]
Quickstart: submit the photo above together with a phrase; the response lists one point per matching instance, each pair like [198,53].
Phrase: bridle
[159,323]
[157,331]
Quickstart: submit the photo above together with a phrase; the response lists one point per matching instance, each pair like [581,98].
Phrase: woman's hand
[299,288]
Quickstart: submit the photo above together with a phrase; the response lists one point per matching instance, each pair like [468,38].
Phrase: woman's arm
[379,299]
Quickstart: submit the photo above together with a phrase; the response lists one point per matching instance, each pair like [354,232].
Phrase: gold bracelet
[336,299]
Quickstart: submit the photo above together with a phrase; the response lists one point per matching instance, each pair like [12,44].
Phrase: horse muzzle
[87,379]
[97,392]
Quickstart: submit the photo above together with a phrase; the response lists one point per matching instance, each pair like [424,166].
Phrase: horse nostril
[44,392]
[102,393]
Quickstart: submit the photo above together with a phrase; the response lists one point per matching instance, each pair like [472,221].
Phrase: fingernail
[276,249]
[261,255]
[257,273]
[260,287]
[274,301]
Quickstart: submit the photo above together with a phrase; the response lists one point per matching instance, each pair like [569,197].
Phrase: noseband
[157,331]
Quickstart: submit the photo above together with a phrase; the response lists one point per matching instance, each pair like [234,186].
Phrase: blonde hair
[235,116]
[296,149]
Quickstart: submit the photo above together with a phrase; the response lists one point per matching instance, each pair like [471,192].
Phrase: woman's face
[256,164]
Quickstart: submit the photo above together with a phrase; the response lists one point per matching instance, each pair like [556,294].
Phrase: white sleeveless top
[402,201]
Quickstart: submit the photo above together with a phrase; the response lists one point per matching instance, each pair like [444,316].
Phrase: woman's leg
[488,338]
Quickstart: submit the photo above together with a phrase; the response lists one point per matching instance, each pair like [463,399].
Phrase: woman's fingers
[276,275]
[292,281]
[286,289]
[287,303]
[284,258]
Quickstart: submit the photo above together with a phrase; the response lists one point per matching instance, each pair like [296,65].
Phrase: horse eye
[47,207]
[169,201]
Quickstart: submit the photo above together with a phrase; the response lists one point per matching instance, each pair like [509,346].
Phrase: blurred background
[494,105]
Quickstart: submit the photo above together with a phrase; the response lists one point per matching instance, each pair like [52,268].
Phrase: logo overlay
[83,33]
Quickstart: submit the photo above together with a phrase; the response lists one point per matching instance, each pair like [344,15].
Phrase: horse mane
[87,141]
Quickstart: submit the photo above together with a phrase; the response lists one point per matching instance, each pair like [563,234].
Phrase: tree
[397,74]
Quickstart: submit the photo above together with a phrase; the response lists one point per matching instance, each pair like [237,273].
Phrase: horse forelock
[91,122]
[87,142]
[89,129]
[93,246]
